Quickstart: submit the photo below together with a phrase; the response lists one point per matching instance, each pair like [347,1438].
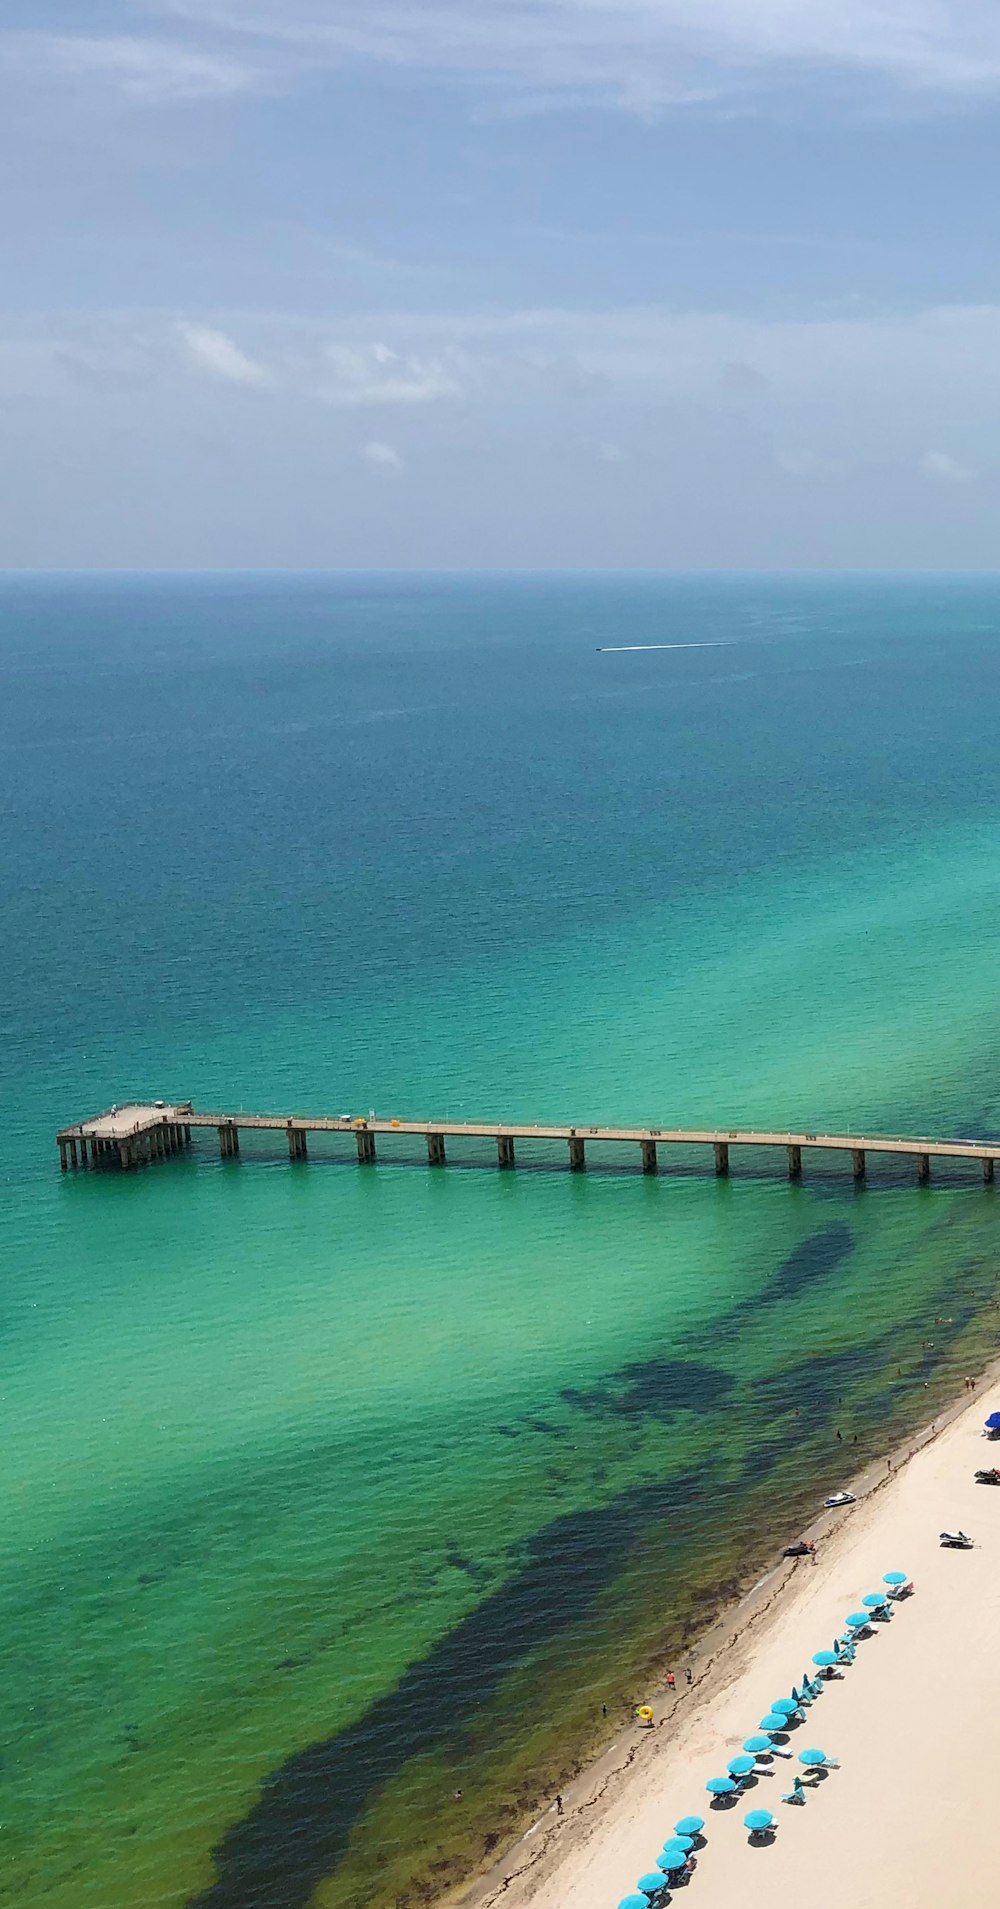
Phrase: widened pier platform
[141,1132]
[128,1136]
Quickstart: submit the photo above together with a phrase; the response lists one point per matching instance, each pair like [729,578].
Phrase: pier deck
[139,1132]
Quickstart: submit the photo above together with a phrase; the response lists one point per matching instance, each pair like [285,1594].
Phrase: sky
[499,283]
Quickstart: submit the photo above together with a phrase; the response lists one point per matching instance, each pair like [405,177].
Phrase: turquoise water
[332,1492]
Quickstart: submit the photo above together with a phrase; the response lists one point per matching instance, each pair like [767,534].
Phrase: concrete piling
[721,1158]
[648,1155]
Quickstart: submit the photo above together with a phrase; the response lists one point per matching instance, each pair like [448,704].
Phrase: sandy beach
[914,1723]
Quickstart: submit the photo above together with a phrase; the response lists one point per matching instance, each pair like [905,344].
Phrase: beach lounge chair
[797,1793]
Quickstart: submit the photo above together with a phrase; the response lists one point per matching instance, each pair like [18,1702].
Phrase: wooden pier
[144,1131]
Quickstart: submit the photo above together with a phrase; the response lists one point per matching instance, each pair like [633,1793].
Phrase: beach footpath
[913,1722]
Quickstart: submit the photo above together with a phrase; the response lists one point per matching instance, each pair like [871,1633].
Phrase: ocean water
[330,1492]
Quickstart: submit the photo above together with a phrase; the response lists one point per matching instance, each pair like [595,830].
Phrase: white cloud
[925,365]
[640,54]
[147,70]
[944,468]
[522,468]
[383,457]
[212,351]
[377,374]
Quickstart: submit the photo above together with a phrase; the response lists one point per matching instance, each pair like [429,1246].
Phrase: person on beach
[689,1674]
[559,1805]
[671,1681]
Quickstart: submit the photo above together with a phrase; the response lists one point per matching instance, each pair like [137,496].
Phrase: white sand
[913,1814]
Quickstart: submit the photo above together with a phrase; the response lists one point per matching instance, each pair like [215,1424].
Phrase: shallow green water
[329,1491]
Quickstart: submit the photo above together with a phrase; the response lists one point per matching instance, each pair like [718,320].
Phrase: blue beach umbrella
[895,1577]
[993,1422]
[875,1601]
[674,1859]
[690,1825]
[758,1746]
[634,1902]
[674,1843]
[740,1766]
[813,1758]
[758,1820]
[857,1619]
[826,1659]
[774,1721]
[653,1883]
[787,1706]
[720,1786]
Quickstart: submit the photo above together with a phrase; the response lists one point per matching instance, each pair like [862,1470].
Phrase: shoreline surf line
[724,1654]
